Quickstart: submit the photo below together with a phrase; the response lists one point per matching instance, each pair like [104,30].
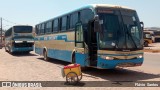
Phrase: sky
[32,12]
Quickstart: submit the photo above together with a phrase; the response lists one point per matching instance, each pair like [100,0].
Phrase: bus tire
[46,58]
[146,44]
[27,52]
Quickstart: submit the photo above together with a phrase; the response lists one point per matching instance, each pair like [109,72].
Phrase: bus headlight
[140,56]
[30,41]
[107,57]
[18,41]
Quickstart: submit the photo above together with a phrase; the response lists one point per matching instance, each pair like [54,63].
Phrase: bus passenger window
[39,29]
[68,24]
[8,33]
[49,27]
[42,28]
[64,23]
[86,15]
[73,20]
[55,26]
[36,29]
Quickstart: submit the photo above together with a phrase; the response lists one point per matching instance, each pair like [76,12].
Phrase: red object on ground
[71,66]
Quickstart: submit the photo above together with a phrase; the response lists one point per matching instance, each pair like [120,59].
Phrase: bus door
[92,44]
[81,53]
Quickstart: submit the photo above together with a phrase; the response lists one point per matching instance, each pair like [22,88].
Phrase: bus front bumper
[22,49]
[110,64]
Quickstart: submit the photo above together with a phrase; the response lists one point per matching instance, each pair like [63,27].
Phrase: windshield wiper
[129,34]
[123,28]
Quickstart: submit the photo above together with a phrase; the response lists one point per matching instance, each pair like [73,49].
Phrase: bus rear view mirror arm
[142,25]
[97,26]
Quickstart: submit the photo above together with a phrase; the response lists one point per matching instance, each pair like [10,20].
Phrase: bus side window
[55,25]
[39,29]
[60,24]
[68,24]
[36,29]
[42,29]
[86,15]
[9,33]
[49,27]
[73,20]
[46,28]
[64,23]
[52,26]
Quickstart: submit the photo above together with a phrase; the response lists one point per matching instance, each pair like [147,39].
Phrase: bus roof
[91,6]
[21,25]
[18,26]
[110,6]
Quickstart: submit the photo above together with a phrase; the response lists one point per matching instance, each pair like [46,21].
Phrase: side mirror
[142,25]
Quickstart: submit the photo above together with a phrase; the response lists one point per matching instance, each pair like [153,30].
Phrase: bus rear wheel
[46,58]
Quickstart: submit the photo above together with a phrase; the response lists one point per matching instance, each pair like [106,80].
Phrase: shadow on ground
[23,54]
[118,74]
[55,61]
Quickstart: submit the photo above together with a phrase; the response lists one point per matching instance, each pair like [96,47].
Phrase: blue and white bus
[19,38]
[101,36]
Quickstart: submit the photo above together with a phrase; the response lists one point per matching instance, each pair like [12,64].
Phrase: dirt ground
[32,67]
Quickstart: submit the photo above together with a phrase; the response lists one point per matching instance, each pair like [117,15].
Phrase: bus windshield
[120,30]
[23,29]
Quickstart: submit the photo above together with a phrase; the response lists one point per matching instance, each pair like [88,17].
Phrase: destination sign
[105,11]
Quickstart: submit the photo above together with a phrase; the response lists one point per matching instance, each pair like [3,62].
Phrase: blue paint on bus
[60,54]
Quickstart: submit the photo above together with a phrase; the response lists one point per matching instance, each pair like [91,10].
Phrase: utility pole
[1,30]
